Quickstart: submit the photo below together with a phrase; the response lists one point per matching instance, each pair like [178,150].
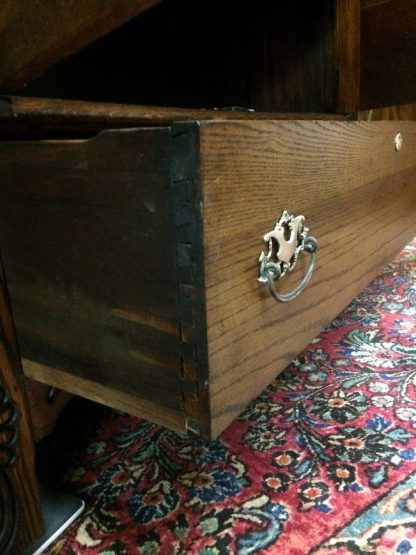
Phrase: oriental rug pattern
[323,462]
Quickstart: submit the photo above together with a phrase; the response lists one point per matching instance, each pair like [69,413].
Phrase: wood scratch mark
[146,319]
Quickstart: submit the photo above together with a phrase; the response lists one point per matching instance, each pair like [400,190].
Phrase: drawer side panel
[90,258]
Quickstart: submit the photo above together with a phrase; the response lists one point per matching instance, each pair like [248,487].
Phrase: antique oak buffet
[130,233]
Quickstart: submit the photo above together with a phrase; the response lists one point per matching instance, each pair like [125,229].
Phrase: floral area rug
[323,462]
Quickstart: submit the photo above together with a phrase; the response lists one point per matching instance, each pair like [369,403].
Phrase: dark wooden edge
[37,115]
[187,225]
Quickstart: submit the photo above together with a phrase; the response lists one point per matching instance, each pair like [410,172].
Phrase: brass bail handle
[286,242]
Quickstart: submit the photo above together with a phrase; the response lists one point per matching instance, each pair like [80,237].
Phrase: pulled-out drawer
[132,256]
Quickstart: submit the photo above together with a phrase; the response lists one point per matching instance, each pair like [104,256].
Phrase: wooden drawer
[132,255]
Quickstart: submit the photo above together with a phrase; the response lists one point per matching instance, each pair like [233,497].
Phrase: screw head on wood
[398,141]
[52,395]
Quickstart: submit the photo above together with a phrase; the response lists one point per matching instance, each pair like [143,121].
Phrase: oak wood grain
[21,520]
[358,196]
[34,35]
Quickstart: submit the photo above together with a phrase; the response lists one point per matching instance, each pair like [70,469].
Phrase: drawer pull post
[286,242]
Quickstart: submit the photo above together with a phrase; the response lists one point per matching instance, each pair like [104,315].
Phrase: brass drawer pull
[286,241]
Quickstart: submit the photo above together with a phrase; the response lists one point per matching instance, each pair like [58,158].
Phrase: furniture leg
[20,513]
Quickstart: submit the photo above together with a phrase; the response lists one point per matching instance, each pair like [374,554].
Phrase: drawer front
[358,195]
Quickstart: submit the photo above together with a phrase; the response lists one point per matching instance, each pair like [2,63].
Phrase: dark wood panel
[35,35]
[388,54]
[358,196]
[260,54]
[180,53]
[348,27]
[20,516]
[305,56]
[292,56]
[93,272]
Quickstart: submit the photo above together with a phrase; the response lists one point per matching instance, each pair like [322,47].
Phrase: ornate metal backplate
[287,240]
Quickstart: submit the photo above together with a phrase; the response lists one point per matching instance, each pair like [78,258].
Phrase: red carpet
[323,462]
